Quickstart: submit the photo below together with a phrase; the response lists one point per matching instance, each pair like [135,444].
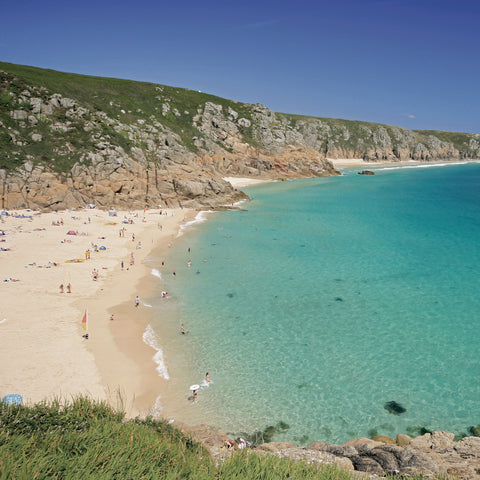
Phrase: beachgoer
[61,288]
[183,330]
[111,317]
[207,377]
[195,396]
[122,265]
[137,301]
[174,273]
[230,444]
[69,288]
[241,443]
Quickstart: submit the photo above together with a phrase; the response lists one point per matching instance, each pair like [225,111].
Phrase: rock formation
[67,140]
[435,455]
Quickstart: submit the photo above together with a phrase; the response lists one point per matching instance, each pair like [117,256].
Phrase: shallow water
[326,298]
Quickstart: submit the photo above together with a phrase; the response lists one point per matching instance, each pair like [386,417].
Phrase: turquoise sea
[323,299]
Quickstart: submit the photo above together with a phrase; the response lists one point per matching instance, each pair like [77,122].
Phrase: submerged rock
[394,408]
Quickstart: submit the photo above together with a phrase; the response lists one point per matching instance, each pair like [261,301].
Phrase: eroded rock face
[431,455]
[178,156]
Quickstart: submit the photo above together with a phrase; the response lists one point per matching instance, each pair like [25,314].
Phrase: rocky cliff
[435,455]
[68,140]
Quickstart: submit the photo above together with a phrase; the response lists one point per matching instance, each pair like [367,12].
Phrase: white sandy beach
[43,354]
[244,182]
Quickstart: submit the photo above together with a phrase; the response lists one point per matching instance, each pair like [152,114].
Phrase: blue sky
[411,63]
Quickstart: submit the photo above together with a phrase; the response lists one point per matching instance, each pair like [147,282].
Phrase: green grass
[127,102]
[88,440]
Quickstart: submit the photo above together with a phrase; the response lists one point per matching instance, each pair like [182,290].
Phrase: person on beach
[137,301]
[111,317]
[61,288]
[182,330]
[69,288]
[195,399]
[207,377]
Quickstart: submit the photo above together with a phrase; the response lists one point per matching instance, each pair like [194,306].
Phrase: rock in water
[394,408]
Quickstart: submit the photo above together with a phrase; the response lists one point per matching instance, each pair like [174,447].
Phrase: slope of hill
[69,139]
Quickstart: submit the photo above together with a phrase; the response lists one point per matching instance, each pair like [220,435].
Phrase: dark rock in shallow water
[265,436]
[230,295]
[394,408]
[417,430]
[475,431]
[366,172]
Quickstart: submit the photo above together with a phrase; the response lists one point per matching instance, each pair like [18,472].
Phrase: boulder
[366,464]
[338,450]
[384,439]
[362,444]
[403,440]
[274,446]
[434,441]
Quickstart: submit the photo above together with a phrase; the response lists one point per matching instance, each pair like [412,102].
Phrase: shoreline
[47,357]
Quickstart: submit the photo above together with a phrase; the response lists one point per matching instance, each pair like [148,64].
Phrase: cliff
[68,140]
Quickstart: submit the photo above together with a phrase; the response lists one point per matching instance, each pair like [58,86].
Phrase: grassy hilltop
[69,139]
[129,102]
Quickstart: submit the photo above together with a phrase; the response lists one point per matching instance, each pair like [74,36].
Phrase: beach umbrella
[12,399]
[71,232]
[102,248]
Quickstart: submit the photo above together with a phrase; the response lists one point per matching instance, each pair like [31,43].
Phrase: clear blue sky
[412,63]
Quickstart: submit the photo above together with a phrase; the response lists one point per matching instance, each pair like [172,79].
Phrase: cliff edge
[68,140]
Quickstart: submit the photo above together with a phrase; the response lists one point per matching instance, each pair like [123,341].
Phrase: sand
[44,354]
[244,182]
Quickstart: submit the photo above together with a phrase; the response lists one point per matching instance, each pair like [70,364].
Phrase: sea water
[323,299]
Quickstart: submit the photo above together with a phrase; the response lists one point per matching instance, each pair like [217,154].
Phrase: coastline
[44,355]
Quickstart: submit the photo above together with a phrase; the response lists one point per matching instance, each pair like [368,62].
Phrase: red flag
[84,320]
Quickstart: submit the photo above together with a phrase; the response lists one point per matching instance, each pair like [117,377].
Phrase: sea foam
[151,339]
[157,408]
[156,273]
[423,165]
[200,217]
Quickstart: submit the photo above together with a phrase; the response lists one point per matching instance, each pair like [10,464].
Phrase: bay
[324,299]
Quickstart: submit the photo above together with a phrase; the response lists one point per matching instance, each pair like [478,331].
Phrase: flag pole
[85,323]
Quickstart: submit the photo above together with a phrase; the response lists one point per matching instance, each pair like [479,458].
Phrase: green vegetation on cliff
[123,100]
[61,119]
